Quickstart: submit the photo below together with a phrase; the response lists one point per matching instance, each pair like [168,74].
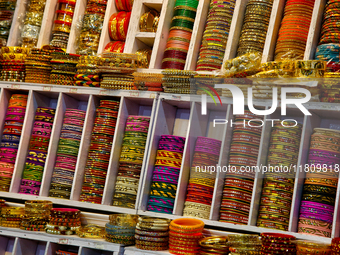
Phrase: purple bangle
[317,211]
[42,124]
[68,159]
[316,217]
[205,141]
[176,147]
[15,111]
[317,205]
[8,151]
[7,158]
[33,162]
[207,150]
[323,153]
[12,117]
[159,209]
[172,139]
[30,183]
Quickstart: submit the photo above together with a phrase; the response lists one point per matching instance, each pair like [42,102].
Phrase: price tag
[73,90]
[103,92]
[99,246]
[63,241]
[134,93]
[152,95]
[46,88]
[15,86]
[176,97]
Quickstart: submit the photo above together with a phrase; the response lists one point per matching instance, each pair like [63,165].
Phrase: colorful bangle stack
[238,185]
[293,33]
[244,244]
[11,216]
[37,151]
[118,25]
[319,191]
[166,173]
[115,46]
[37,214]
[91,27]
[6,16]
[62,24]
[131,160]
[91,231]
[11,137]
[330,53]
[121,229]
[67,153]
[184,236]
[148,81]
[312,247]
[273,243]
[214,245]
[277,191]
[99,152]
[202,181]
[152,234]
[255,25]
[177,45]
[63,221]
[87,74]
[12,62]
[63,68]
[215,35]
[179,82]
[149,21]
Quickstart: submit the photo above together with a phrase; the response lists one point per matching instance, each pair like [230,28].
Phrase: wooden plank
[17,23]
[47,23]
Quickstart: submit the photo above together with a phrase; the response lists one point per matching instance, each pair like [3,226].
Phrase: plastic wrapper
[243,66]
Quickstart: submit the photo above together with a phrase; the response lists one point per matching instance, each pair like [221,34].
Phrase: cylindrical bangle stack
[166,173]
[304,247]
[179,82]
[63,68]
[244,244]
[238,185]
[214,245]
[87,74]
[278,188]
[149,21]
[273,243]
[11,216]
[319,191]
[152,234]
[121,229]
[202,181]
[91,231]
[184,236]
[148,81]
[63,221]
[37,214]
[99,152]
[13,63]
[10,139]
[67,153]
[177,45]
[37,151]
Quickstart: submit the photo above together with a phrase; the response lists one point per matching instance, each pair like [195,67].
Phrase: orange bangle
[113,27]
[187,224]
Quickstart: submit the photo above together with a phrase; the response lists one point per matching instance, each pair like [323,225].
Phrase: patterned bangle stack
[214,244]
[37,214]
[276,243]
[131,160]
[179,82]
[99,152]
[37,151]
[244,244]
[121,229]
[67,153]
[166,173]
[10,138]
[12,61]
[152,234]
[312,247]
[63,221]
[184,236]
[87,74]
[63,68]
[11,216]
[148,81]
[319,191]
[201,183]
[238,186]
[278,187]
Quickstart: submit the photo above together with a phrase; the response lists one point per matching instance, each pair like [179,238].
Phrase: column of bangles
[6,14]
[319,190]
[14,120]
[131,160]
[87,74]
[278,188]
[184,236]
[63,221]
[37,214]
[277,244]
[166,173]
[152,234]
[238,186]
[118,28]
[67,153]
[37,151]
[63,68]
[244,244]
[11,216]
[201,183]
[13,63]
[121,229]
[179,82]
[215,35]
[180,34]
[148,81]
[99,152]
[214,244]
[312,247]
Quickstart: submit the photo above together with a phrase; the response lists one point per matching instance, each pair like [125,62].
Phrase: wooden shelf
[147,38]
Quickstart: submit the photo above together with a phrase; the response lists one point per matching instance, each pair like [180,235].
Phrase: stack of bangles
[64,221]
[10,139]
[152,233]
[37,151]
[87,74]
[319,190]
[166,173]
[245,244]
[115,46]
[6,14]
[214,245]
[273,243]
[91,231]
[67,153]
[238,185]
[121,229]
[37,213]
[335,246]
[304,247]
[131,160]
[178,81]
[124,5]
[99,152]
[148,81]
[149,21]
[11,216]
[12,62]
[202,181]
[184,236]
[177,45]
[277,191]
[118,25]
[63,68]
